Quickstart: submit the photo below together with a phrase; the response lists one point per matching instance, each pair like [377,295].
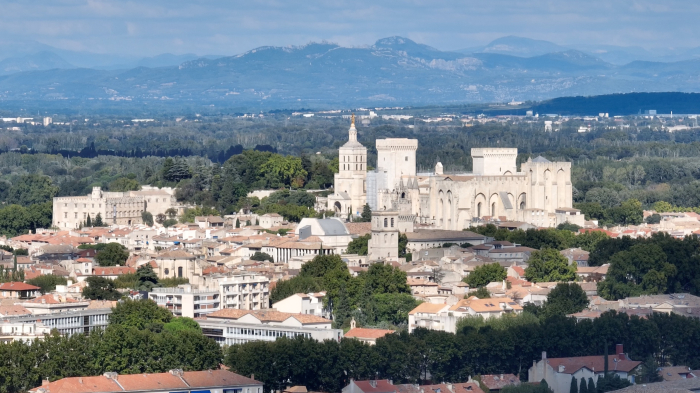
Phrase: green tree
[98,220]
[47,282]
[113,254]
[147,218]
[140,314]
[481,293]
[31,189]
[281,171]
[574,386]
[566,298]
[171,212]
[88,222]
[124,184]
[403,243]
[484,274]
[653,219]
[238,223]
[160,218]
[100,288]
[366,213]
[169,222]
[549,265]
[582,386]
[591,386]
[359,245]
[182,323]
[261,256]
[146,278]
[648,371]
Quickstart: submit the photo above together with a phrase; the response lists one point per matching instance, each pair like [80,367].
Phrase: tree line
[141,338]
[427,356]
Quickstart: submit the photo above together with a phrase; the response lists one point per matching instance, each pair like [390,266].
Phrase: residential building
[233,326]
[213,381]
[368,336]
[18,290]
[184,301]
[248,291]
[372,386]
[270,220]
[445,317]
[68,322]
[331,232]
[559,371]
[675,373]
[496,382]
[54,303]
[303,303]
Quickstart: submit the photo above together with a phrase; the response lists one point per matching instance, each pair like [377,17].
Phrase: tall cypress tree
[574,386]
[591,386]
[583,388]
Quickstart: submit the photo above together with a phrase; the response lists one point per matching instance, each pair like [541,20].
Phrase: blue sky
[150,27]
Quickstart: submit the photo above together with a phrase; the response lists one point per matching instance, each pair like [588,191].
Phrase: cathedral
[539,194]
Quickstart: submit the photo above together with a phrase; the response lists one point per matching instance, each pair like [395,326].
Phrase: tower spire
[352,132]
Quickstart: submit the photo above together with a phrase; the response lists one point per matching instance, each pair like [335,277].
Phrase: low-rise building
[19,290]
[303,303]
[558,372]
[232,326]
[445,317]
[247,291]
[68,322]
[366,335]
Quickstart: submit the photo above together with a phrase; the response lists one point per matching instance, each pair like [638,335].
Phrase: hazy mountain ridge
[393,70]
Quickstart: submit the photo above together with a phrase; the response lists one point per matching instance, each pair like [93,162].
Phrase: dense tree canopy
[549,265]
[482,275]
[112,254]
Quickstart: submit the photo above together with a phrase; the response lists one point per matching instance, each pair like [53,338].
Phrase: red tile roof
[113,270]
[367,333]
[498,382]
[375,386]
[593,363]
[17,286]
[149,382]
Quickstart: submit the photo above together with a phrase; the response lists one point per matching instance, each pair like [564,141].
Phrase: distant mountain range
[393,71]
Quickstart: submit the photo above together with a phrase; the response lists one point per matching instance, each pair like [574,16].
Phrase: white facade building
[184,301]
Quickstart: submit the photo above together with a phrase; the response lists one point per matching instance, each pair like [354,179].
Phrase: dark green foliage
[573,388]
[527,388]
[169,222]
[261,256]
[8,275]
[182,323]
[583,388]
[591,386]
[16,220]
[564,299]
[112,254]
[100,288]
[147,218]
[47,282]
[171,282]
[98,220]
[567,226]
[611,382]
[140,314]
[346,294]
[482,275]
[403,242]
[88,222]
[487,349]
[124,184]
[359,245]
[549,265]
[481,293]
[648,371]
[146,278]
[366,213]
[559,239]
[31,189]
[653,219]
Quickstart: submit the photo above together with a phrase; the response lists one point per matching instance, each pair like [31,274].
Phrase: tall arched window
[392,222]
[478,209]
[493,209]
[385,222]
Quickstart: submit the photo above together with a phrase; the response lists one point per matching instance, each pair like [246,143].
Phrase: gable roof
[375,386]
[497,382]
[17,286]
[593,363]
[429,308]
[267,316]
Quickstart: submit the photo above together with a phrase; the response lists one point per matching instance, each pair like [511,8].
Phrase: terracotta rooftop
[17,286]
[148,382]
[113,270]
[367,333]
[429,308]
[593,363]
[499,381]
[266,316]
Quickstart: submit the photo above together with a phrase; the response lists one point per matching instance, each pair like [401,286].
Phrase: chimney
[544,355]
[619,351]
[44,382]
[562,368]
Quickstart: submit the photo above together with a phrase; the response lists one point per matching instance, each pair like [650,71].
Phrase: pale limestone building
[350,183]
[115,208]
[539,194]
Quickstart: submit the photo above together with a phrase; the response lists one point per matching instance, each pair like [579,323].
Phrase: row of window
[265,332]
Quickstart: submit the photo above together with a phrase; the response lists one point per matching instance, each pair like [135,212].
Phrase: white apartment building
[246,291]
[67,322]
[184,301]
[303,303]
[230,326]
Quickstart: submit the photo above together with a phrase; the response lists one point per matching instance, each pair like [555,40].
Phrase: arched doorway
[337,207]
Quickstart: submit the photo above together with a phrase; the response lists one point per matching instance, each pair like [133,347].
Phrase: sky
[152,27]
